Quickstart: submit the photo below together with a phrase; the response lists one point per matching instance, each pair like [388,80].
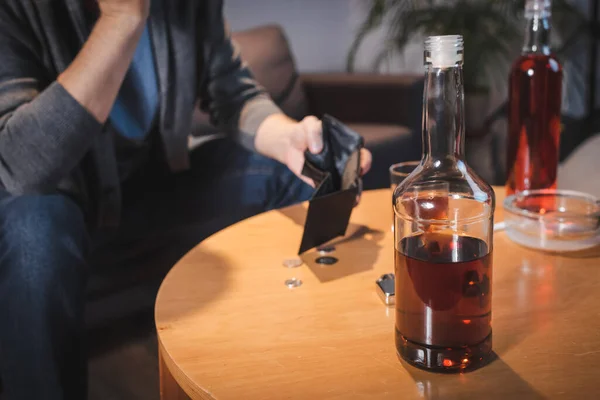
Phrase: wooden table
[229,328]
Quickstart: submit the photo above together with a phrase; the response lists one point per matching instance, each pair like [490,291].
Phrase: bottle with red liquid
[535,96]
[443,226]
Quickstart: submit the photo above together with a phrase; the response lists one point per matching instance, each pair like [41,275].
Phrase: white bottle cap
[444,51]
[538,9]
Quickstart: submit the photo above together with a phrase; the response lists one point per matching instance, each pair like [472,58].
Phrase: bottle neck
[537,35]
[443,114]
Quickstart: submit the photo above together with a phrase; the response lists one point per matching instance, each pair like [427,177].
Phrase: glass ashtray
[553,220]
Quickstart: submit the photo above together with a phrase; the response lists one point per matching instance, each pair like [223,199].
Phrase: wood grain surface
[229,328]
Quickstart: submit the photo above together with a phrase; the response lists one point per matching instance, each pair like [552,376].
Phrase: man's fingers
[366,159]
[309,135]
[313,129]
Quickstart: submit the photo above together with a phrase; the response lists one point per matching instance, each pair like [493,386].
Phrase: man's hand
[125,8]
[286,140]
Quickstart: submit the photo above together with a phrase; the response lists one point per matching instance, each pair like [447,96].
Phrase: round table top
[229,328]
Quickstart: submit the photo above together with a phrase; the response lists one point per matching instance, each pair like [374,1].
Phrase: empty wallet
[336,174]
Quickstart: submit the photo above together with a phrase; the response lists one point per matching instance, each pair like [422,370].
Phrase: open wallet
[336,174]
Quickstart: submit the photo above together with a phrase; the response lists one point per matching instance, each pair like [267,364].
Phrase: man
[95,97]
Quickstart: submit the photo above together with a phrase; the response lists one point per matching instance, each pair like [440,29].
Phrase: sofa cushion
[266,51]
[366,97]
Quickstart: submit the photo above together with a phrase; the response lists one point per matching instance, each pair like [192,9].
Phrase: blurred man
[96,103]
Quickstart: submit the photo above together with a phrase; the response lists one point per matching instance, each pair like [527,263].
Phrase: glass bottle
[535,95]
[443,229]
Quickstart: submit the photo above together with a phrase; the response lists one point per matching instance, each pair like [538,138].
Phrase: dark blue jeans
[46,250]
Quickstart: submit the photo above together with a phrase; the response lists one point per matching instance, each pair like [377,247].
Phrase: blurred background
[337,46]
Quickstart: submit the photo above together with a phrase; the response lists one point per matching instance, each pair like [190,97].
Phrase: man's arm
[45,131]
[240,106]
[96,74]
[229,93]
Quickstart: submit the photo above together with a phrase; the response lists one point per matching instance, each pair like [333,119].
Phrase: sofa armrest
[366,98]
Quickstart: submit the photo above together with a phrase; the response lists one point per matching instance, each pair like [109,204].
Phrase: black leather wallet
[336,173]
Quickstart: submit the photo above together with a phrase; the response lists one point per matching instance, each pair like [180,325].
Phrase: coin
[292,263]
[293,282]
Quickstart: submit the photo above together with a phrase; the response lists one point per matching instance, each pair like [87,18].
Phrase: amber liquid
[443,301]
[534,123]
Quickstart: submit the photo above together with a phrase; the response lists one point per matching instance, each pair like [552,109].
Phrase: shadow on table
[356,252]
[496,380]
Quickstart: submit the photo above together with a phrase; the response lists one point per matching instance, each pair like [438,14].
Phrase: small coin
[327,260]
[292,263]
[293,282]
[326,249]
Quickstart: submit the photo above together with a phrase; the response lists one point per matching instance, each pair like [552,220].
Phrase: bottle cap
[538,8]
[444,51]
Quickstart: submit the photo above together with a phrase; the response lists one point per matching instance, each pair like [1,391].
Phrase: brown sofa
[384,109]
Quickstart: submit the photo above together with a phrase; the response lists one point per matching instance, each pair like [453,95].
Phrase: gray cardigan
[49,142]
